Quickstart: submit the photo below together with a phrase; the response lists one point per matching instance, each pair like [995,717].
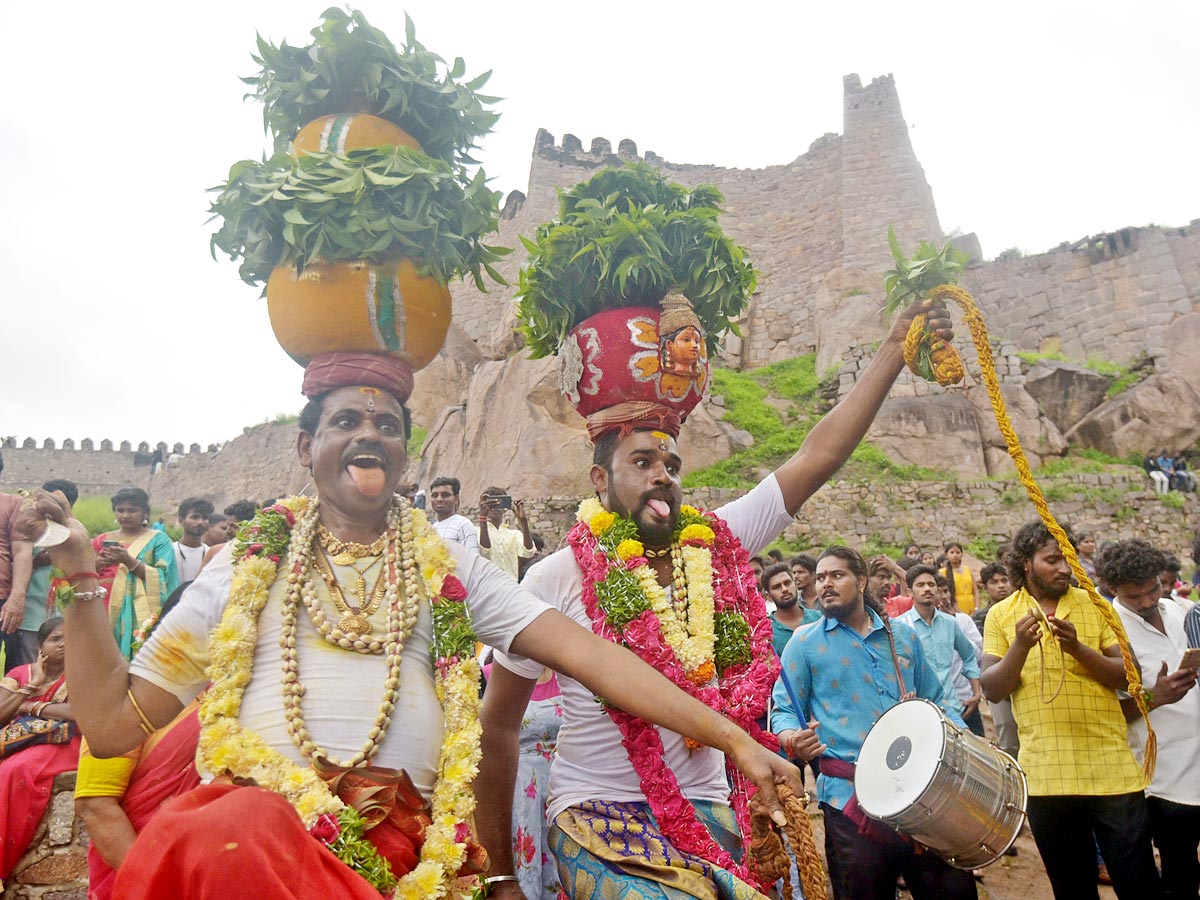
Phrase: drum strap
[887,626]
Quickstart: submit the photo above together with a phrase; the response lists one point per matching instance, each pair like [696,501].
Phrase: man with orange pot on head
[327,595]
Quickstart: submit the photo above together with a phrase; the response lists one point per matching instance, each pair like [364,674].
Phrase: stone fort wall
[815,227]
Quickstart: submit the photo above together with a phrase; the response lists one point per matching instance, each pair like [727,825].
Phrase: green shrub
[982,547]
[416,440]
[96,514]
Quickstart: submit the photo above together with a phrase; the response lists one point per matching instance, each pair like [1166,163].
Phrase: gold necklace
[656,554]
[344,553]
[355,620]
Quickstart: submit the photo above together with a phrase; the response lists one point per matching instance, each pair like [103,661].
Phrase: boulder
[940,432]
[1162,411]
[1181,338]
[444,381]
[1039,437]
[1065,392]
[516,429]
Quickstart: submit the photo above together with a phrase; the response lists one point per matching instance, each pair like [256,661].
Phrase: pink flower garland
[740,694]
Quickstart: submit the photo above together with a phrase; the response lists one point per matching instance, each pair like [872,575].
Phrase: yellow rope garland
[948,367]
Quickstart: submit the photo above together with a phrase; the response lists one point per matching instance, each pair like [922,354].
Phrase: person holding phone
[1156,635]
[503,545]
[136,565]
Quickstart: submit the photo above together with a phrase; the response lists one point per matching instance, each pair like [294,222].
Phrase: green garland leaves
[914,278]
[732,646]
[352,67]
[624,238]
[374,204]
[354,849]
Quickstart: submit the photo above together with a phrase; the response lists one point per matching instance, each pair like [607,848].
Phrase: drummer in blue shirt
[842,674]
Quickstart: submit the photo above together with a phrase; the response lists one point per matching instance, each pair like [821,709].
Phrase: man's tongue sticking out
[369,479]
[659,507]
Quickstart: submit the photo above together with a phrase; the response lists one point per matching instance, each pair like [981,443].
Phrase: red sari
[166,768]
[26,779]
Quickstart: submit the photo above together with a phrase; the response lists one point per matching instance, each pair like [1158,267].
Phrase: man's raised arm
[834,438]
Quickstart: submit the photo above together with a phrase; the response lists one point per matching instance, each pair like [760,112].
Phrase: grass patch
[1104,367]
[416,440]
[96,514]
[983,547]
[1030,357]
[874,546]
[1173,500]
[1123,383]
[778,435]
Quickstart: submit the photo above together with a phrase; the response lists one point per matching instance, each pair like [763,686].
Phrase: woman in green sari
[136,564]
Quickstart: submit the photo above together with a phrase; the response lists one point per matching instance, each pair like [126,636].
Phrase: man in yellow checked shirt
[289,591]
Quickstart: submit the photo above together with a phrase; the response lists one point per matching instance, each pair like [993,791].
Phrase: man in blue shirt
[844,675]
[780,589]
[941,638]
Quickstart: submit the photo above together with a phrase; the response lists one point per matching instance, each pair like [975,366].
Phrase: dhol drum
[941,785]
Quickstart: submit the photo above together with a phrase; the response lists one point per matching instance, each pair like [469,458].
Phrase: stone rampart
[815,227]
[1112,296]
[259,464]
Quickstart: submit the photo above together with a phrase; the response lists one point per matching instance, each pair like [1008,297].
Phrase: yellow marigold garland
[227,747]
[948,369]
[693,639]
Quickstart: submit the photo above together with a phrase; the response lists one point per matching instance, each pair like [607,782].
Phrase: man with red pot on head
[635,809]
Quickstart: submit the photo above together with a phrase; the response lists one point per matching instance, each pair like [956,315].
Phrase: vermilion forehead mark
[371,394]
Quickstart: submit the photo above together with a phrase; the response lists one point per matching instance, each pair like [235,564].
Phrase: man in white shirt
[443,503]
[1154,625]
[636,473]
[190,549]
[504,546]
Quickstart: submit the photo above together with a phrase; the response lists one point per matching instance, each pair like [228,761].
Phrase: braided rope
[771,858]
[974,320]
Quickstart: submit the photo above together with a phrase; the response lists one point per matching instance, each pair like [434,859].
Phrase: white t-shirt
[590,763]
[457,528]
[1177,773]
[188,560]
[344,687]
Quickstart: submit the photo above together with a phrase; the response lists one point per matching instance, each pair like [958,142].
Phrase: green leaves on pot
[914,278]
[352,67]
[373,204]
[624,238]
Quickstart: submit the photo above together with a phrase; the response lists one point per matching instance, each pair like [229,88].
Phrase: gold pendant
[345,558]
[354,624]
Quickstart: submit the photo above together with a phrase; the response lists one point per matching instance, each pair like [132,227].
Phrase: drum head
[899,758]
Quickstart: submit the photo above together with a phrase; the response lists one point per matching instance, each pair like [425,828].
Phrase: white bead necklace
[402,610]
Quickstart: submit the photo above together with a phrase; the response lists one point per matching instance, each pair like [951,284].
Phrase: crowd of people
[1169,471]
[944,607]
[1017,640]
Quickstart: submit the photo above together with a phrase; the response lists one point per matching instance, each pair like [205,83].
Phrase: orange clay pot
[353,131]
[379,308]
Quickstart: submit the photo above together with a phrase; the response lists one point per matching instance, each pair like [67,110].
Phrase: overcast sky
[1036,123]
